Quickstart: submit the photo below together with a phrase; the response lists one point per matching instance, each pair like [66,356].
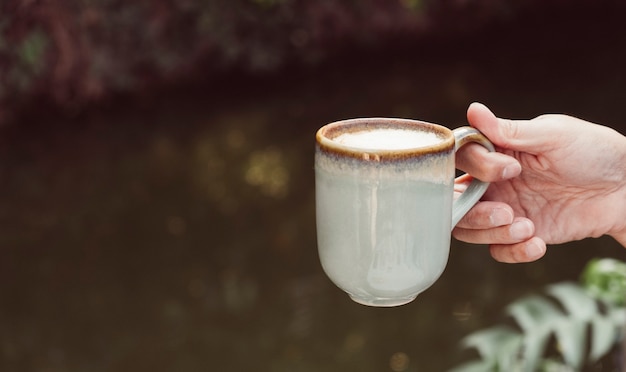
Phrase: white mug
[384,204]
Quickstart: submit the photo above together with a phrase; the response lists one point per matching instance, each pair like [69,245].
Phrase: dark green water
[178,233]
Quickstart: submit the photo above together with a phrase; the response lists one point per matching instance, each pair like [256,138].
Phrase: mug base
[382,302]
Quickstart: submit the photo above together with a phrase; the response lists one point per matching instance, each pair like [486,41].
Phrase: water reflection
[182,237]
[267,171]
[399,362]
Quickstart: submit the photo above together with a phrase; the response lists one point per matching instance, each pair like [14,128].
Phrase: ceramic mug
[385,206]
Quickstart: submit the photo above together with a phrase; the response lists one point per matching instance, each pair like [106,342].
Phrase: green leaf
[606,279]
[537,317]
[500,346]
[551,365]
[618,316]
[570,331]
[574,299]
[571,338]
[603,336]
[489,342]
[510,351]
[534,344]
[534,313]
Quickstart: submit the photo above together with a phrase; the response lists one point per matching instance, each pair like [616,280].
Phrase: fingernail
[511,170]
[521,230]
[534,251]
[500,217]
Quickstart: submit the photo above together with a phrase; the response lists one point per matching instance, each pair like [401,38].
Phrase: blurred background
[156,172]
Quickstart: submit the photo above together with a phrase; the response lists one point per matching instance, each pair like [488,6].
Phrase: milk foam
[388,139]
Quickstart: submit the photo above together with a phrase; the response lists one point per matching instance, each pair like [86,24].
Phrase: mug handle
[476,188]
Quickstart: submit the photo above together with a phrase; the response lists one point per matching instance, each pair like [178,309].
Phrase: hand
[554,179]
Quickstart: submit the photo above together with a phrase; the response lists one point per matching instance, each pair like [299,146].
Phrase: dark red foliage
[69,53]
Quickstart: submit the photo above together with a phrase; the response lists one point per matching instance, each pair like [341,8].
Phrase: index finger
[486,166]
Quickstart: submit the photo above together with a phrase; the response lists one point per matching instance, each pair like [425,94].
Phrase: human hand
[554,179]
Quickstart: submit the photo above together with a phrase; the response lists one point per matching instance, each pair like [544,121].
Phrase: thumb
[516,135]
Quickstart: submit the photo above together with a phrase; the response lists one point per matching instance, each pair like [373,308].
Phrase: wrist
[620,234]
[620,237]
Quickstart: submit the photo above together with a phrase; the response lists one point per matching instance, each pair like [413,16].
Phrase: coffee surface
[388,139]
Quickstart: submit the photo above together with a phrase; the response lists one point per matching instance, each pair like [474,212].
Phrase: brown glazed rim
[326,133]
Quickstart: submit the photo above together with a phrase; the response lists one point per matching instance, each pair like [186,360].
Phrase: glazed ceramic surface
[384,213]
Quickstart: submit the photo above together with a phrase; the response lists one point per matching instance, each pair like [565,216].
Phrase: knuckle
[548,117]
[511,132]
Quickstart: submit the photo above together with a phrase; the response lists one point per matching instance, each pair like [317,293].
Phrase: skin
[553,179]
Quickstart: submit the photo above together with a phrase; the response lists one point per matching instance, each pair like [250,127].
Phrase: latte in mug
[388,139]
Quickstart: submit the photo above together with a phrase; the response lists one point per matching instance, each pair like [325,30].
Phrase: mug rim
[325,143]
